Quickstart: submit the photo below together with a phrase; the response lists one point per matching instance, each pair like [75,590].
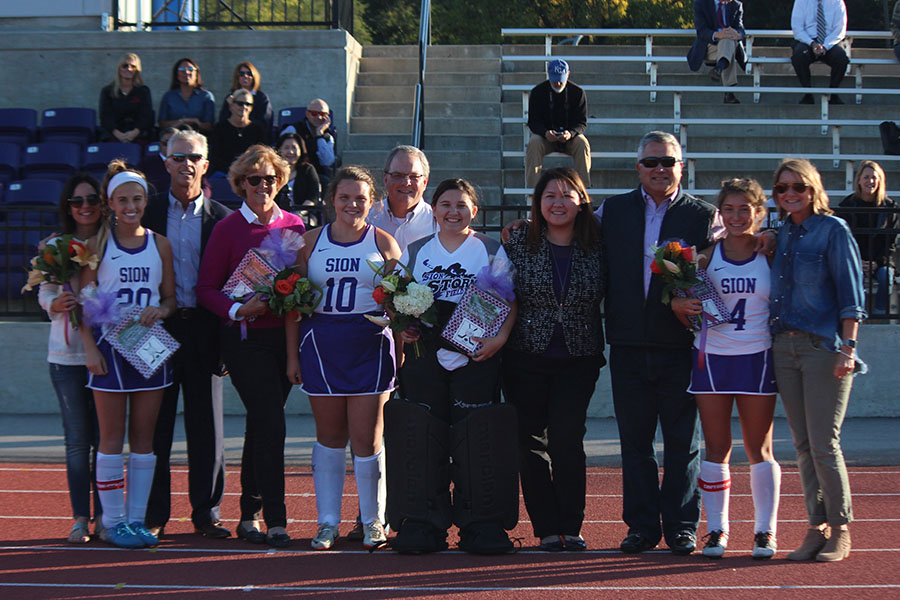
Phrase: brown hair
[586,228]
[810,176]
[880,193]
[252,158]
[455,184]
[65,214]
[116,166]
[351,173]
[748,188]
[236,79]
[174,85]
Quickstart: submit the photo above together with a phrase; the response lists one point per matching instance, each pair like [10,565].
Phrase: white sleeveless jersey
[132,274]
[341,271]
[745,289]
[448,274]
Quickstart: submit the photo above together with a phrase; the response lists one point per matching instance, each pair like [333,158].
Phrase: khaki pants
[538,147]
[724,49]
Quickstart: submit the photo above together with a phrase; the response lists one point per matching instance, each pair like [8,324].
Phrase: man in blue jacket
[720,37]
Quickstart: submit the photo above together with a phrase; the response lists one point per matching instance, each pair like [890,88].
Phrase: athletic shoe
[142,532]
[122,536]
[485,538]
[764,546]
[716,541]
[79,533]
[325,537]
[356,534]
[373,536]
[419,537]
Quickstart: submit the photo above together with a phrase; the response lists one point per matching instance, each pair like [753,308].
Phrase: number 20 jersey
[341,271]
[132,274]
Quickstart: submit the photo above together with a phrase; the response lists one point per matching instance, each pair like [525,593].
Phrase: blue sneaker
[144,534]
[122,536]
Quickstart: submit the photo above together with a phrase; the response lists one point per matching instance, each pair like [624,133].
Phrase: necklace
[563,280]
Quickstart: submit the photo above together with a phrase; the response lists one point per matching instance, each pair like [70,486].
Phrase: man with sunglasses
[720,36]
[319,137]
[557,118]
[186,216]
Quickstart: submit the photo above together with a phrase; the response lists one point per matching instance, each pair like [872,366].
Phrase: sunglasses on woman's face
[245,74]
[187,69]
[242,104]
[255,180]
[78,201]
[798,187]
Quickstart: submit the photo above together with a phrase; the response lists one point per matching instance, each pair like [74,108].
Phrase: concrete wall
[54,69]
[26,388]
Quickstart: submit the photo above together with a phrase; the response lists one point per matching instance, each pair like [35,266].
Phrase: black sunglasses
[651,162]
[245,74]
[78,201]
[255,180]
[180,157]
[798,187]
[242,104]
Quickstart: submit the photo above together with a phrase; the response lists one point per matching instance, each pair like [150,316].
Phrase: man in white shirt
[819,28]
[402,213]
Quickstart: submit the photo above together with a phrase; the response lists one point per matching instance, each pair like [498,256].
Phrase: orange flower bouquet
[677,265]
[291,294]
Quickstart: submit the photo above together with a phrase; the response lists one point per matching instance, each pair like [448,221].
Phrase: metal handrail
[419,106]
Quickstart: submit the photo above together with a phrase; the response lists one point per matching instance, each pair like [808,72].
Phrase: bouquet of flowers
[58,262]
[408,302]
[677,265]
[291,295]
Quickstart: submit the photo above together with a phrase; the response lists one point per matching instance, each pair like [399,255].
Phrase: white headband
[125,177]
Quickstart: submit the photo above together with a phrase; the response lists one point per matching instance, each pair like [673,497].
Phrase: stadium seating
[222,192]
[50,160]
[74,125]
[10,161]
[18,125]
[33,192]
[96,157]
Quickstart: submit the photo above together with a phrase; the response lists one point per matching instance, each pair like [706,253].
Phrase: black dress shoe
[715,74]
[731,98]
[212,530]
[635,543]
[552,543]
[683,543]
[251,534]
[807,99]
[278,540]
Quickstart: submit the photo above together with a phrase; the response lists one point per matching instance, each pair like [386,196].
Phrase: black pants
[202,426]
[834,57]
[258,368]
[648,386]
[551,397]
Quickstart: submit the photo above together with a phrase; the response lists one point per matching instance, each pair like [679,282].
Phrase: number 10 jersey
[341,271]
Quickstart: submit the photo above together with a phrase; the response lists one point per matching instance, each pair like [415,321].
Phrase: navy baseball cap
[558,70]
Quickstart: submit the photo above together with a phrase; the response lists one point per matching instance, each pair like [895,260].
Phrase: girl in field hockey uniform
[346,361]
[738,368]
[136,266]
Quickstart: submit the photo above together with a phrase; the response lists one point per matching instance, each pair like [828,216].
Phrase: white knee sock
[715,488]
[140,478]
[382,487]
[329,469]
[111,487]
[368,476]
[765,484]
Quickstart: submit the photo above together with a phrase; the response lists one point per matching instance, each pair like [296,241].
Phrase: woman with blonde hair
[247,77]
[875,249]
[126,110]
[816,305]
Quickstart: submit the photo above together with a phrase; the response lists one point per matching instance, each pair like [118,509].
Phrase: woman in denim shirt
[816,307]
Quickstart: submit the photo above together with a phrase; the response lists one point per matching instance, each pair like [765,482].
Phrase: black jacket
[548,110]
[630,319]
[878,247]
[125,112]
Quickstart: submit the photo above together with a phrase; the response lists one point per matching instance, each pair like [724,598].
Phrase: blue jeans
[76,404]
[885,278]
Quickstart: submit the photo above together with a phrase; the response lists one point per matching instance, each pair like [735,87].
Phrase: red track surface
[35,561]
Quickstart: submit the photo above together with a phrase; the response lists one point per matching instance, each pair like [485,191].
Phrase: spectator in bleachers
[302,191]
[126,110]
[720,36]
[557,118]
[875,249]
[895,29]
[819,28]
[187,102]
[231,137]
[247,77]
[319,136]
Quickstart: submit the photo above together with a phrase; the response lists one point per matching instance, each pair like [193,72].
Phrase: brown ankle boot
[837,548]
[812,544]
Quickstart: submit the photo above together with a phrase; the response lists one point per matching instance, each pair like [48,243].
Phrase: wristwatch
[849,343]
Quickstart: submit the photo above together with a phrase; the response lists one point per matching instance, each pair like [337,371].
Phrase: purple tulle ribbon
[99,308]
[281,248]
[497,277]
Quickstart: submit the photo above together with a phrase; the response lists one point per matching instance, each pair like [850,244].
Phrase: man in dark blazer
[720,37]
[186,217]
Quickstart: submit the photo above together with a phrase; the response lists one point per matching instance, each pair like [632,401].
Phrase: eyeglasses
[242,104]
[320,114]
[128,67]
[798,187]
[180,157]
[187,69]
[245,74]
[413,177]
[78,201]
[255,180]
[651,162]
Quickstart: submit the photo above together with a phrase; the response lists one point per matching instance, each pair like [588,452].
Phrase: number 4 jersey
[132,274]
[341,271]
[744,286]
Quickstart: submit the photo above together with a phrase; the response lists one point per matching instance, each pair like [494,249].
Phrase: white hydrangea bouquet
[407,302]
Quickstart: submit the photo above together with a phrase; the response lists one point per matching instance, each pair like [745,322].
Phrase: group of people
[795,298]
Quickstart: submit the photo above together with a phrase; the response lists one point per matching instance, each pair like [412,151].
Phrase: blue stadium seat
[31,192]
[18,125]
[222,192]
[288,116]
[50,160]
[10,161]
[152,148]
[96,157]
[74,125]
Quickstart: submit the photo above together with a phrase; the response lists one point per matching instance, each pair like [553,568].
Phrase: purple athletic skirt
[345,355]
[750,374]
[122,377]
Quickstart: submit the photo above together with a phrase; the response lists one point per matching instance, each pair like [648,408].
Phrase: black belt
[185,313]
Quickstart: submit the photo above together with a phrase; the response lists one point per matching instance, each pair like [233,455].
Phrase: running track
[35,561]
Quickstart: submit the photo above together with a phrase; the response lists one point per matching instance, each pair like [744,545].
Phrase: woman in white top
[738,368]
[135,265]
[79,214]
